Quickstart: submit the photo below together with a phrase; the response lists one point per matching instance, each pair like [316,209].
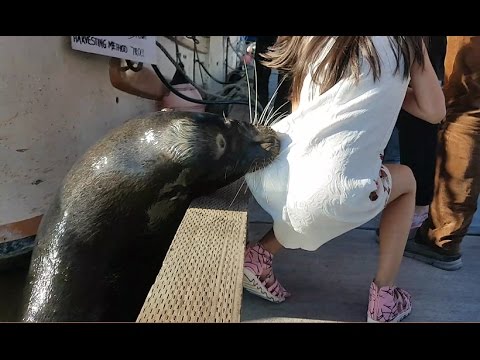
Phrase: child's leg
[395,224]
[388,303]
[270,243]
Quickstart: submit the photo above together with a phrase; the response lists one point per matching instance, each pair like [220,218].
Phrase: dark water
[12,280]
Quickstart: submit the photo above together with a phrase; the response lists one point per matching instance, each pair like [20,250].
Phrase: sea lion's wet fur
[104,237]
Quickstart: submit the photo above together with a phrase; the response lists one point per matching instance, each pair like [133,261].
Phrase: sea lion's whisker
[266,195]
[276,92]
[248,89]
[246,187]
[267,115]
[267,108]
[274,118]
[256,90]
[235,197]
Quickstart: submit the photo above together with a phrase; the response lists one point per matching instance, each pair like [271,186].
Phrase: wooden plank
[201,278]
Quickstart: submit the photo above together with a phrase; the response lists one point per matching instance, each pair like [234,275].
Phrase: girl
[346,93]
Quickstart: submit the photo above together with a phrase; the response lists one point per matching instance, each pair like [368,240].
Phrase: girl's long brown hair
[295,55]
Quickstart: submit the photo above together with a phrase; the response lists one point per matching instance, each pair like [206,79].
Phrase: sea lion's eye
[221,142]
[221,145]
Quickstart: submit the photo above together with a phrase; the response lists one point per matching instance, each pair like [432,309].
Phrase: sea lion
[102,241]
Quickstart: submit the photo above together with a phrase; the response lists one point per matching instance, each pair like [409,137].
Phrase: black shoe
[435,256]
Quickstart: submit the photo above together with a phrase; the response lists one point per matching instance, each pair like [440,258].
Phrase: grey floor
[331,284]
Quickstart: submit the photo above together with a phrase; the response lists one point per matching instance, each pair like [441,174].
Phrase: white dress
[329,178]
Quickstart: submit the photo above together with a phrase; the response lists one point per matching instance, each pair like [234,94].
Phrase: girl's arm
[424,98]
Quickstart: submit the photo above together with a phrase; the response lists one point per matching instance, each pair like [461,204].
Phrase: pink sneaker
[258,277]
[388,304]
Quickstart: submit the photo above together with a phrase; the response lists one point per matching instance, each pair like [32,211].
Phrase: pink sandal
[258,277]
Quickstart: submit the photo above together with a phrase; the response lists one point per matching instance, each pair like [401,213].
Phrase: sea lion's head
[221,150]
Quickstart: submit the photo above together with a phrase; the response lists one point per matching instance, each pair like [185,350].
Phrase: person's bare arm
[424,98]
[144,83]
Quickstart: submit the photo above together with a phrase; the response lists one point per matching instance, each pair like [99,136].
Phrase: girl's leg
[270,243]
[258,277]
[395,224]
[387,302]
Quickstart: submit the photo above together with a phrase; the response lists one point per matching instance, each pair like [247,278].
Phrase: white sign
[135,48]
